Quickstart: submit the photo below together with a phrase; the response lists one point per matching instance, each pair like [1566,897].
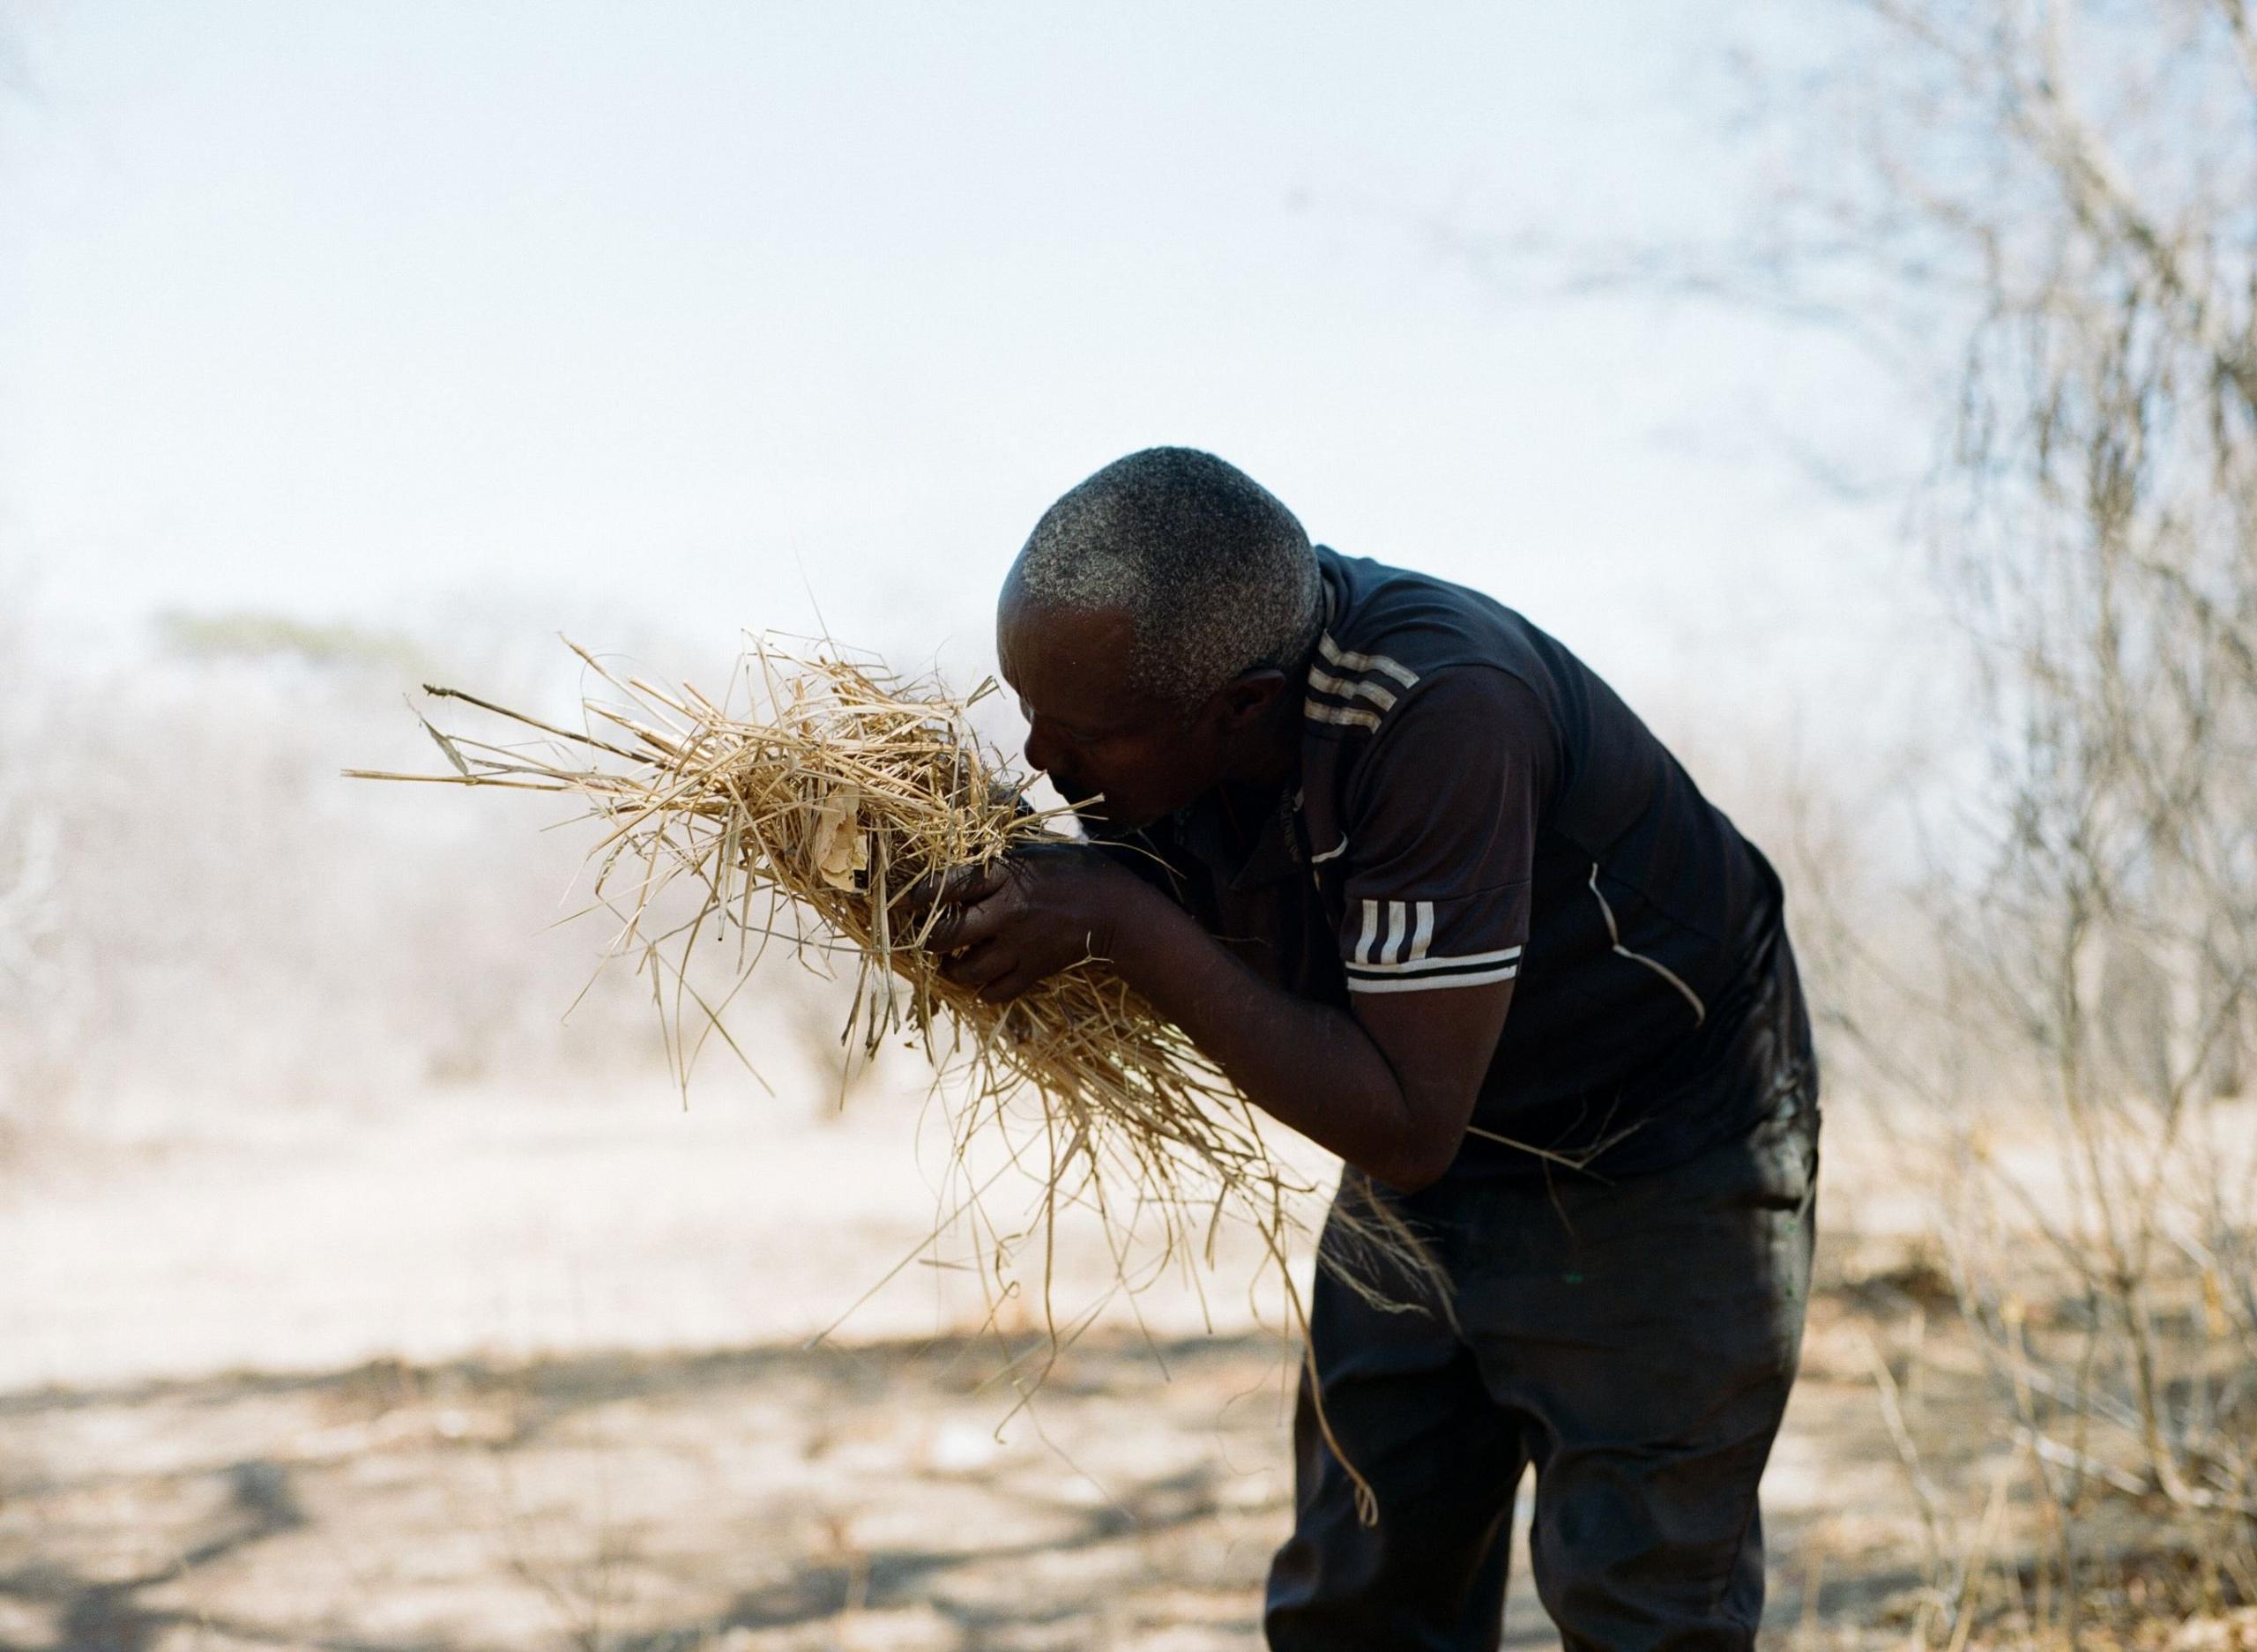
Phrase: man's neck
[1274,755]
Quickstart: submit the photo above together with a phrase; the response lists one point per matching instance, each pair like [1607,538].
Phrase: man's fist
[1005,928]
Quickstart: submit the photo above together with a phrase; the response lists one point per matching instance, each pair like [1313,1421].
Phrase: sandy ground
[490,1370]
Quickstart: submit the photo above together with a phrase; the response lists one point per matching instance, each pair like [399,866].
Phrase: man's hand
[1007,928]
[1387,1084]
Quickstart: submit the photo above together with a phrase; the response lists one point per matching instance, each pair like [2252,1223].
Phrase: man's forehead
[1068,662]
[1050,639]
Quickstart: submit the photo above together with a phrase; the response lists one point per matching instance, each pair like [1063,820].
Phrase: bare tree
[2039,217]
[2071,189]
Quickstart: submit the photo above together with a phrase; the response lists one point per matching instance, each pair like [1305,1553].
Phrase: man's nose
[1042,748]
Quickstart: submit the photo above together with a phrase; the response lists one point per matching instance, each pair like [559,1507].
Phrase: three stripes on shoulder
[1400,963]
[1356,683]
[1354,690]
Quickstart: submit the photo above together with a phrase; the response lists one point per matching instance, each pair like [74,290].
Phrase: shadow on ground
[889,1498]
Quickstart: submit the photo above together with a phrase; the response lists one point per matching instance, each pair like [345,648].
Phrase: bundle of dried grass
[812,802]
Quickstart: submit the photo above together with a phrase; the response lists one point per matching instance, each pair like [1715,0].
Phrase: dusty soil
[755,1499]
[490,1371]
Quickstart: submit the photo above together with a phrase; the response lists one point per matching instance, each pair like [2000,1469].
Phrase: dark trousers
[1635,1342]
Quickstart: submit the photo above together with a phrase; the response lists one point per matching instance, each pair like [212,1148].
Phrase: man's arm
[1389,1086]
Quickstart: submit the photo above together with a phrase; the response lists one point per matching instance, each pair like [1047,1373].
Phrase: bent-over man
[1432,896]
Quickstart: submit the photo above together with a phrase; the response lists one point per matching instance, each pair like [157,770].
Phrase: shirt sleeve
[1440,828]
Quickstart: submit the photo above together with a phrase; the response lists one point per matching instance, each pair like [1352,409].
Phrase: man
[1430,894]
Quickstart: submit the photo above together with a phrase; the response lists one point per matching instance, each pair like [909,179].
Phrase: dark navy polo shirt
[1474,805]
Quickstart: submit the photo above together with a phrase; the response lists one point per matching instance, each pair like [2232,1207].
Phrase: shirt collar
[1202,827]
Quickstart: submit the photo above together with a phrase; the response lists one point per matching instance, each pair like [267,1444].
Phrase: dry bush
[2069,194]
[2038,218]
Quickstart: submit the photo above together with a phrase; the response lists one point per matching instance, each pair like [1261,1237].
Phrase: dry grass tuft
[809,803]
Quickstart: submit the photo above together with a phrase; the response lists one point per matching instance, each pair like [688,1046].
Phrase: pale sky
[689,312]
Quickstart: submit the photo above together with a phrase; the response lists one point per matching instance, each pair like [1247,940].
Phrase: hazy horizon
[734,319]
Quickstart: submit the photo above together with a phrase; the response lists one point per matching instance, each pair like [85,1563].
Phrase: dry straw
[813,802]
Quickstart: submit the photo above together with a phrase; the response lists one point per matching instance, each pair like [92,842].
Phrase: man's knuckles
[950,891]
[968,926]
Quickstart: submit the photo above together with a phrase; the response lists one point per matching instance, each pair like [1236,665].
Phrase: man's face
[1088,729]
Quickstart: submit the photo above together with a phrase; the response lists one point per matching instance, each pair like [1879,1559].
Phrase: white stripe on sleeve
[1396,918]
[1354,717]
[1384,965]
[1432,983]
[1348,660]
[1348,689]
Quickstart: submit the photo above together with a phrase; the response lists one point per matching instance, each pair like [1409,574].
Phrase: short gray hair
[1217,576]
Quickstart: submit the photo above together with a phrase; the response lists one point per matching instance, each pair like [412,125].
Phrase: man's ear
[1247,699]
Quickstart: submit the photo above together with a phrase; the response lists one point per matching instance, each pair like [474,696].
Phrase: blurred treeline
[197,911]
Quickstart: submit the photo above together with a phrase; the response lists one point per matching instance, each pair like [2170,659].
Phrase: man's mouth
[1077,795]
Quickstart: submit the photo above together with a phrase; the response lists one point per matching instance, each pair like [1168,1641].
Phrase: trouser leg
[1405,1400]
[1652,1340]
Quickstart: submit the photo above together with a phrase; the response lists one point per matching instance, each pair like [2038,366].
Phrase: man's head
[1152,626]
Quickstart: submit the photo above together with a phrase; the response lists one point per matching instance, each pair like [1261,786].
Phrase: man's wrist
[1130,916]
